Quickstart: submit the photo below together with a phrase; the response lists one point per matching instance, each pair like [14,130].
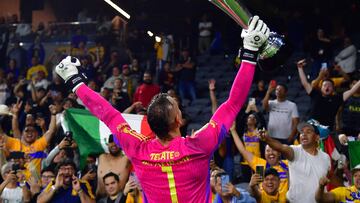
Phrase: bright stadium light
[157,39]
[150,33]
[116,7]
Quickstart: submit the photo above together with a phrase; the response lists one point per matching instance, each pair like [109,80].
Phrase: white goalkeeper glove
[68,71]
[256,34]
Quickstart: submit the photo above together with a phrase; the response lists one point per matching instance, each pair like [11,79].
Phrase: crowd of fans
[40,162]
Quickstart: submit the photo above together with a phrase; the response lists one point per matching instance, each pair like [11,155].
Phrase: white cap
[4,110]
[356,168]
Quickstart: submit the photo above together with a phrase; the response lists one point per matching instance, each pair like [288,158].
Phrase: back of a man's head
[160,115]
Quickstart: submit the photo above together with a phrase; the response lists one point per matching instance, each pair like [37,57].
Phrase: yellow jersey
[252,143]
[346,194]
[35,152]
[281,168]
[278,198]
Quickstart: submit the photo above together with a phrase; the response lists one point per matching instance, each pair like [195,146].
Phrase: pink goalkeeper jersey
[178,172]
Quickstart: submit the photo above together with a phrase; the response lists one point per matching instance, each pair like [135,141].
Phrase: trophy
[241,16]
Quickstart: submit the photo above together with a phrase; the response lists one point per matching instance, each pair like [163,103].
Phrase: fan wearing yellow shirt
[35,68]
[29,144]
[340,194]
[270,187]
[272,159]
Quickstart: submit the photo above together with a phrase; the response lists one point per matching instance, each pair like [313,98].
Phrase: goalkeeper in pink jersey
[171,168]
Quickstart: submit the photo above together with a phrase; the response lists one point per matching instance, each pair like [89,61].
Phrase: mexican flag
[91,134]
[354,153]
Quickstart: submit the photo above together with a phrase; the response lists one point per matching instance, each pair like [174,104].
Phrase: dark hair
[65,162]
[111,174]
[271,171]
[328,80]
[283,85]
[159,113]
[48,169]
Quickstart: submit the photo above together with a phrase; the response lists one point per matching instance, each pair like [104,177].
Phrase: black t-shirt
[351,116]
[324,109]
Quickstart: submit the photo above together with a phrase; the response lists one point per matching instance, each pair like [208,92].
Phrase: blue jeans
[187,88]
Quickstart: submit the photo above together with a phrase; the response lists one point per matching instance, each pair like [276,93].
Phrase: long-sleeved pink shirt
[178,172]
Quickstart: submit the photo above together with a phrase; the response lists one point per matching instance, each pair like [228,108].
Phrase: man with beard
[307,163]
[165,165]
[145,92]
[325,104]
[115,162]
[67,187]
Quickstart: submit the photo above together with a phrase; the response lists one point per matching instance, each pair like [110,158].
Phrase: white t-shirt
[280,116]
[12,195]
[305,172]
[206,32]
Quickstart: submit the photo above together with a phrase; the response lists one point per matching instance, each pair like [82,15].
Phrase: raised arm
[98,106]
[52,126]
[254,37]
[300,65]
[321,195]
[347,94]
[212,93]
[248,156]
[265,101]
[284,149]
[14,120]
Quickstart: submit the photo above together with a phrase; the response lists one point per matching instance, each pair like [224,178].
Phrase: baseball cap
[271,171]
[4,110]
[356,168]
[319,129]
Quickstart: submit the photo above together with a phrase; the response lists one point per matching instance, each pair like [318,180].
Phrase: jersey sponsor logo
[167,163]
[165,155]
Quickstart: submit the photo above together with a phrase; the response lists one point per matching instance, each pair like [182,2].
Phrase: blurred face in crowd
[40,93]
[185,54]
[92,85]
[327,88]
[271,184]
[105,92]
[30,134]
[67,104]
[90,160]
[114,56]
[251,120]
[126,71]
[12,63]
[115,71]
[261,85]
[308,137]
[67,171]
[46,178]
[135,65]
[72,95]
[356,176]
[114,149]
[30,120]
[147,78]
[280,92]
[167,67]
[112,186]
[118,83]
[272,156]
[34,61]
